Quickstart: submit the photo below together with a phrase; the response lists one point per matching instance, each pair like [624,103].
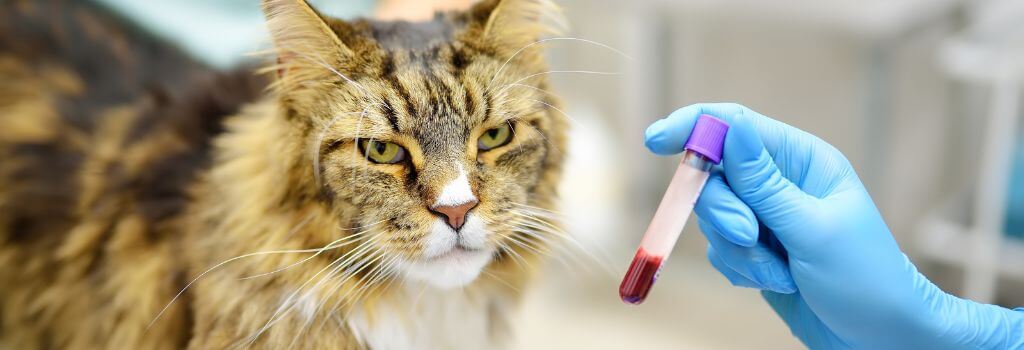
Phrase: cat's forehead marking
[430,102]
[404,35]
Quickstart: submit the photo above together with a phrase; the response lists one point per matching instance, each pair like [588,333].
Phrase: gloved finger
[756,180]
[668,135]
[802,321]
[758,263]
[725,212]
[734,277]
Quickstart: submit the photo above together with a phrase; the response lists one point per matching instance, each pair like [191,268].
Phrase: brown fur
[128,169]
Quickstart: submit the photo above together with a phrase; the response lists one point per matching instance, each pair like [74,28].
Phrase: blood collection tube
[702,150]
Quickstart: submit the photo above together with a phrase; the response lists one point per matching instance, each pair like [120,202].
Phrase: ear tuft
[513,24]
[303,41]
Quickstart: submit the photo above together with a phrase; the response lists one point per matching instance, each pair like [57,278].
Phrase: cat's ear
[509,25]
[303,41]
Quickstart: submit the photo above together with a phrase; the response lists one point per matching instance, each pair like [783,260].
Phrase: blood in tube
[702,150]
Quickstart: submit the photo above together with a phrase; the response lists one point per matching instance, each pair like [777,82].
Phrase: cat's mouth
[452,259]
[457,252]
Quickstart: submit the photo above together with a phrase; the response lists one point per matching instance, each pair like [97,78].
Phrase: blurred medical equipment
[969,229]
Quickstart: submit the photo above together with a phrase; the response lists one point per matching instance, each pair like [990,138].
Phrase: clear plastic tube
[672,214]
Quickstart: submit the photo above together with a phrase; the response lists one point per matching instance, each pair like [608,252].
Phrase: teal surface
[219,32]
[1015,197]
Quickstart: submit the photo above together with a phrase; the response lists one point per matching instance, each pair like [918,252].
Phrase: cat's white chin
[451,260]
[454,269]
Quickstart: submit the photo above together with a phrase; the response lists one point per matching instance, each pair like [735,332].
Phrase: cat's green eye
[494,138]
[382,152]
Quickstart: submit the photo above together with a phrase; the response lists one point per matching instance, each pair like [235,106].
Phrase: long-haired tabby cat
[386,192]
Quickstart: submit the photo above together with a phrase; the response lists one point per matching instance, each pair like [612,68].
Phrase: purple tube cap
[708,137]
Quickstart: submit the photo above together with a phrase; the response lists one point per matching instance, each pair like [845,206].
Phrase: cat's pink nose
[456,214]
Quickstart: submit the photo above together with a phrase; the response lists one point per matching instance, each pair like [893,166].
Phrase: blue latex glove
[786,213]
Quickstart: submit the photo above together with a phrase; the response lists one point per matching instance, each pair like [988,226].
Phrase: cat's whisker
[541,229]
[527,206]
[560,246]
[383,270]
[366,165]
[419,296]
[391,269]
[308,320]
[319,144]
[363,226]
[373,285]
[548,105]
[351,265]
[542,218]
[300,225]
[515,136]
[500,280]
[222,263]
[537,236]
[522,243]
[539,217]
[514,256]
[336,244]
[555,230]
[544,224]
[349,273]
[545,138]
[534,75]
[503,233]
[533,230]
[201,275]
[367,279]
[349,301]
[546,92]
[540,248]
[540,223]
[559,110]
[339,284]
[541,41]
[323,64]
[539,213]
[359,126]
[290,302]
[511,226]
[525,244]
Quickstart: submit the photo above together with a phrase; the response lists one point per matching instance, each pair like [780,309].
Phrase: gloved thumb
[754,177]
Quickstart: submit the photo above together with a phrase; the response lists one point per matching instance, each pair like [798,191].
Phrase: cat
[384,185]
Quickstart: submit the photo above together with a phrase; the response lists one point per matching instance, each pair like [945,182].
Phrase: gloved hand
[786,213]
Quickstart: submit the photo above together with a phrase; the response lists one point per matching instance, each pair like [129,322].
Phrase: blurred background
[923,96]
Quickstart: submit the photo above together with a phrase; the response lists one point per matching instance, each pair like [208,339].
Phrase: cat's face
[435,138]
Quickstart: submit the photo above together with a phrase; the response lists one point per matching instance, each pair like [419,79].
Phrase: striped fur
[127,169]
